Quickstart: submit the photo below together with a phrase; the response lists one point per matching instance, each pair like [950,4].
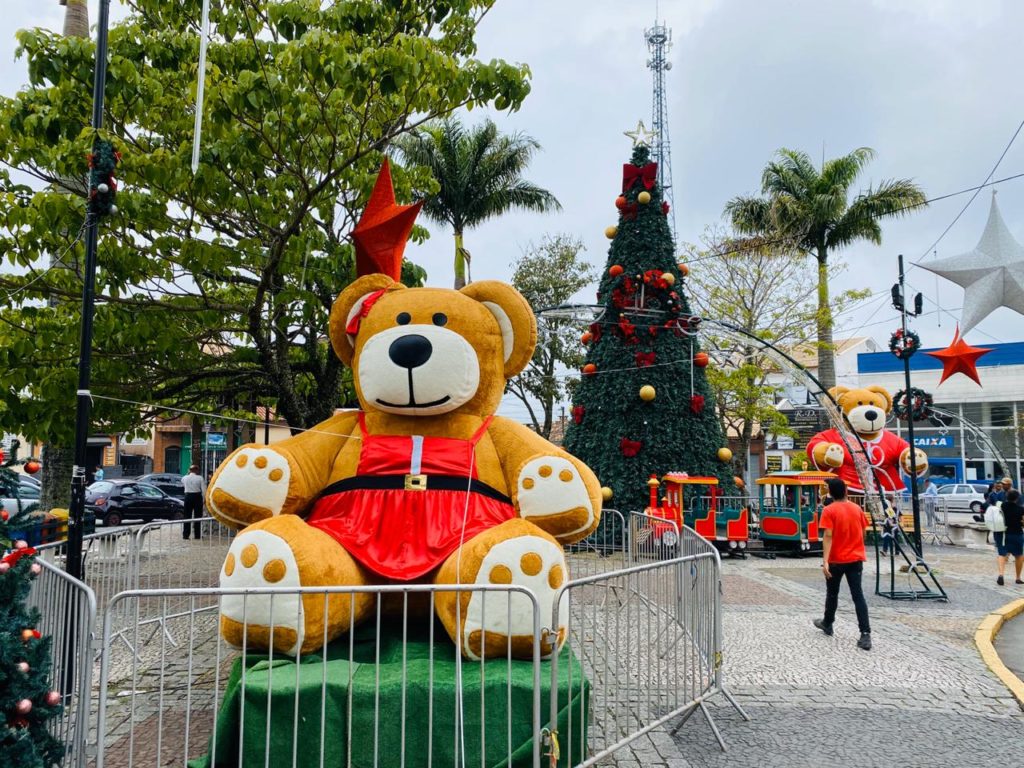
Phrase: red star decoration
[959,357]
[383,229]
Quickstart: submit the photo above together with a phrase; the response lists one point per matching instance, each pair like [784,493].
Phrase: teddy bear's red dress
[412,501]
[883,453]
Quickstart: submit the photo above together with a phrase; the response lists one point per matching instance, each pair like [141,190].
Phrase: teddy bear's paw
[829,455]
[551,494]
[251,485]
[497,623]
[259,558]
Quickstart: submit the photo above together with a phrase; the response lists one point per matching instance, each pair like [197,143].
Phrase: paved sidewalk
[921,698]
[1010,645]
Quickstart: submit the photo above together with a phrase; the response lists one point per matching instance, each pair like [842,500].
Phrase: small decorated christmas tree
[644,406]
[26,699]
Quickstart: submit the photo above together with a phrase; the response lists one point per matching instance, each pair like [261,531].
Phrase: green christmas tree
[644,406]
[26,699]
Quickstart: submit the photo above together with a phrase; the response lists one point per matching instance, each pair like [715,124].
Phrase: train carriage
[789,510]
[697,502]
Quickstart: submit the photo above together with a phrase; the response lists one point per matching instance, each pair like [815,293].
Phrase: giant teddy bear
[866,410]
[424,484]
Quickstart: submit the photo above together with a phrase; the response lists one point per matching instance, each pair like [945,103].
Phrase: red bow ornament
[697,403]
[577,414]
[644,359]
[648,174]
[629,448]
[352,329]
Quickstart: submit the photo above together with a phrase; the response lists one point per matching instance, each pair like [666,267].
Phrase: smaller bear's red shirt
[883,454]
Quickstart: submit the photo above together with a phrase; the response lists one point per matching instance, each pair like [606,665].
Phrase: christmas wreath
[920,405]
[904,344]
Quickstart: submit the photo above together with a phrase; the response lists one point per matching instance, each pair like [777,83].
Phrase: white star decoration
[641,136]
[992,274]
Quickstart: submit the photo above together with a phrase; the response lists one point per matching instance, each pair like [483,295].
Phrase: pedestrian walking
[97,475]
[1013,536]
[931,503]
[195,487]
[844,555]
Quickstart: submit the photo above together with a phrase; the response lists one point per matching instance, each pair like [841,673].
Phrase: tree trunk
[460,262]
[76,18]
[826,350]
[58,463]
[197,443]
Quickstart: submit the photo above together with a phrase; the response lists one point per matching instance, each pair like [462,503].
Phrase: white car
[27,493]
[963,498]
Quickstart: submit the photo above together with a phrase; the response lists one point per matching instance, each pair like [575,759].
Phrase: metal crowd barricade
[67,610]
[161,706]
[652,538]
[936,519]
[604,550]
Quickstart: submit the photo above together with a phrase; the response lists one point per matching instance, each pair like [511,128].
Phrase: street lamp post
[76,518]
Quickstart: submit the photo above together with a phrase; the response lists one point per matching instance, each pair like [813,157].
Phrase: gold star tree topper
[641,136]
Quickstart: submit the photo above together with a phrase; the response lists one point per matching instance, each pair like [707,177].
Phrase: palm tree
[812,210]
[76,18]
[480,173]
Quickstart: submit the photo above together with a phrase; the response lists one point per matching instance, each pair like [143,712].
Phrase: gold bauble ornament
[644,197]
[647,393]
[611,232]
[724,454]
[669,278]
[606,493]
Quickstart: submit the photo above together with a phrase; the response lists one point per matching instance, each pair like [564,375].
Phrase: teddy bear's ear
[837,393]
[884,393]
[515,319]
[353,304]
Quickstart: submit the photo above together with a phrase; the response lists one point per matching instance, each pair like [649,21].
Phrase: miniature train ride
[697,502]
[789,509]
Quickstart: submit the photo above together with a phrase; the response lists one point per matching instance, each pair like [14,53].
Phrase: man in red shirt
[844,555]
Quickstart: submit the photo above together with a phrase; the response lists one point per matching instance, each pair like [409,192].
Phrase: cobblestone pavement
[921,697]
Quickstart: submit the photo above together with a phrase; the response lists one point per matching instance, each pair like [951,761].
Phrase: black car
[168,482]
[114,501]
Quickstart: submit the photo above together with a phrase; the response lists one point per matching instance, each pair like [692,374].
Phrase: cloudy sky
[933,86]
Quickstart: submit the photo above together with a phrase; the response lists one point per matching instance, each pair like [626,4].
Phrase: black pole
[76,518]
[915,500]
[266,424]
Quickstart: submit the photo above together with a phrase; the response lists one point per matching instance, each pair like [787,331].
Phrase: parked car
[27,492]
[168,482]
[114,501]
[963,498]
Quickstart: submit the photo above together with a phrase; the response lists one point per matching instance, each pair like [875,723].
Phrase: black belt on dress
[415,483]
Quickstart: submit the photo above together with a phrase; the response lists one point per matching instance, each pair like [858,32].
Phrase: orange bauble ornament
[32,466]
[615,270]
[739,482]
[587,337]
[683,269]
[620,202]
[589,369]
[701,359]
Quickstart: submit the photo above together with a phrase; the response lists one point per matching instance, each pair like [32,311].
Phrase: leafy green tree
[766,291]
[478,174]
[811,209]
[214,288]
[547,275]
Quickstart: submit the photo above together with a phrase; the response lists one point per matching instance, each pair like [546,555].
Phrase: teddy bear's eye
[440,318]
[860,402]
[403,318]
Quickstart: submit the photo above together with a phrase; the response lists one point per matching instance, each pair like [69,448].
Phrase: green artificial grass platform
[353,696]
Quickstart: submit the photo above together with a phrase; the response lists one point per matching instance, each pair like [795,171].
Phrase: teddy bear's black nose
[869,415]
[410,351]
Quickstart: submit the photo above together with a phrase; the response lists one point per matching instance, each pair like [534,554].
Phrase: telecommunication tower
[659,43]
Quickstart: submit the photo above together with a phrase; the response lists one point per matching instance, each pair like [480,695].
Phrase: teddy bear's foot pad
[552,494]
[259,558]
[251,485]
[497,623]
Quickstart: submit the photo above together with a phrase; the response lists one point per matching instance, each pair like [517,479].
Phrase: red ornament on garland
[32,466]
[615,270]
[697,404]
[587,337]
[589,369]
[577,414]
[52,698]
[629,448]
[959,357]
[631,174]
[23,707]
[595,332]
[620,202]
[4,515]
[701,359]
[664,208]
[644,359]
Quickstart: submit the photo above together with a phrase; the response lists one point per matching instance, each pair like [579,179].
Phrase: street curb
[984,636]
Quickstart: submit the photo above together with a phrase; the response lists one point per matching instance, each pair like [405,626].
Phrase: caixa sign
[934,441]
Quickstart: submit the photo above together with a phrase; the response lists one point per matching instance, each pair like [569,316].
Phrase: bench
[968,534]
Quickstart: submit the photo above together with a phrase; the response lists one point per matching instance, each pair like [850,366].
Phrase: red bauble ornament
[32,466]
[4,515]
[23,707]
[52,698]
[589,369]
[36,569]
[959,357]
[4,567]
[29,634]
[577,414]
[23,667]
[615,270]
[701,359]
[587,337]
[697,403]
[629,448]
[21,544]
[620,202]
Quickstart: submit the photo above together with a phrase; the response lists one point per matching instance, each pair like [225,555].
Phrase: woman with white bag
[1004,520]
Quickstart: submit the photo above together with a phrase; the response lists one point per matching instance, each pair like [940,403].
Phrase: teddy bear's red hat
[383,229]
